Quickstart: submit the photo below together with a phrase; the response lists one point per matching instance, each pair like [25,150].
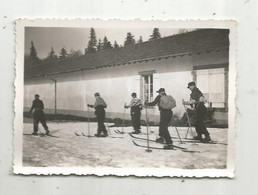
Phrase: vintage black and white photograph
[144,98]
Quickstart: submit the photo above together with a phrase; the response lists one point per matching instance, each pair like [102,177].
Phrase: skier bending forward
[100,106]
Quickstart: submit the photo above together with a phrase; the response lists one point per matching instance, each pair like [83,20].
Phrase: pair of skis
[158,148]
[82,134]
[189,140]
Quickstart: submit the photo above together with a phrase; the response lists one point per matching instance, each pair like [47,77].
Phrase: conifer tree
[106,43]
[129,40]
[63,53]
[155,34]
[92,44]
[33,54]
[116,45]
[100,45]
[140,40]
[51,55]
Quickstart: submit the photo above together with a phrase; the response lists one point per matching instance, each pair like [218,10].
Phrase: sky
[77,38]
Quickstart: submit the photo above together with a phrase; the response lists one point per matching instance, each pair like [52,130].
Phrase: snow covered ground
[69,150]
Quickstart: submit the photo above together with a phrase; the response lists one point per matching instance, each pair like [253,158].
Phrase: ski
[82,134]
[116,131]
[161,148]
[140,138]
[40,135]
[151,147]
[188,140]
[87,135]
[77,134]
[51,135]
[119,132]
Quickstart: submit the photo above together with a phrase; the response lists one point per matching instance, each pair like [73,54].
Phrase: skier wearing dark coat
[100,113]
[165,117]
[197,101]
[38,115]
[136,107]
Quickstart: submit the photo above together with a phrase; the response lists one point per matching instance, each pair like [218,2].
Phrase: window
[212,84]
[147,87]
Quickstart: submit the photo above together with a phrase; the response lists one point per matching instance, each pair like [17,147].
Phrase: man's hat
[161,90]
[134,94]
[96,94]
[191,84]
[36,95]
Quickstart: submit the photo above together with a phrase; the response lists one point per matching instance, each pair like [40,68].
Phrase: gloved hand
[91,106]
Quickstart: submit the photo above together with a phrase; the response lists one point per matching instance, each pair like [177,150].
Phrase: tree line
[92,47]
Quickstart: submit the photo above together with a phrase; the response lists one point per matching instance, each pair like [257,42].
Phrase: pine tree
[140,40]
[33,54]
[100,45]
[51,55]
[155,34]
[116,45]
[92,44]
[63,53]
[129,40]
[106,43]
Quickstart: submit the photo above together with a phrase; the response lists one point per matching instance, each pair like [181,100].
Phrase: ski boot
[47,132]
[168,147]
[35,133]
[198,137]
[160,140]
[136,132]
[104,135]
[97,135]
[206,139]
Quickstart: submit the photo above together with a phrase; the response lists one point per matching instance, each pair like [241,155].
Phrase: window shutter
[137,86]
[156,83]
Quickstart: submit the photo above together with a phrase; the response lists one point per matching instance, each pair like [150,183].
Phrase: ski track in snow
[70,150]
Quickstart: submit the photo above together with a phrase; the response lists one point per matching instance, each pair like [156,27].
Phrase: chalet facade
[67,86]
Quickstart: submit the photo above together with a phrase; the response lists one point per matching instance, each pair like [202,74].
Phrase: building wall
[115,84]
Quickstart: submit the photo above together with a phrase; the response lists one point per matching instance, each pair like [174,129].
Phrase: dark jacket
[195,95]
[37,104]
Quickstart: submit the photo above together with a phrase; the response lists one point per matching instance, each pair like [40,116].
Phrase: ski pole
[189,123]
[108,127]
[88,121]
[178,135]
[123,123]
[147,125]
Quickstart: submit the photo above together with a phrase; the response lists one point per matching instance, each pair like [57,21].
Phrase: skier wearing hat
[136,107]
[197,101]
[165,117]
[38,115]
[100,106]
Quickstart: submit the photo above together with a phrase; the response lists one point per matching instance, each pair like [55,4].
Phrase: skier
[100,106]
[197,101]
[136,107]
[38,115]
[165,104]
